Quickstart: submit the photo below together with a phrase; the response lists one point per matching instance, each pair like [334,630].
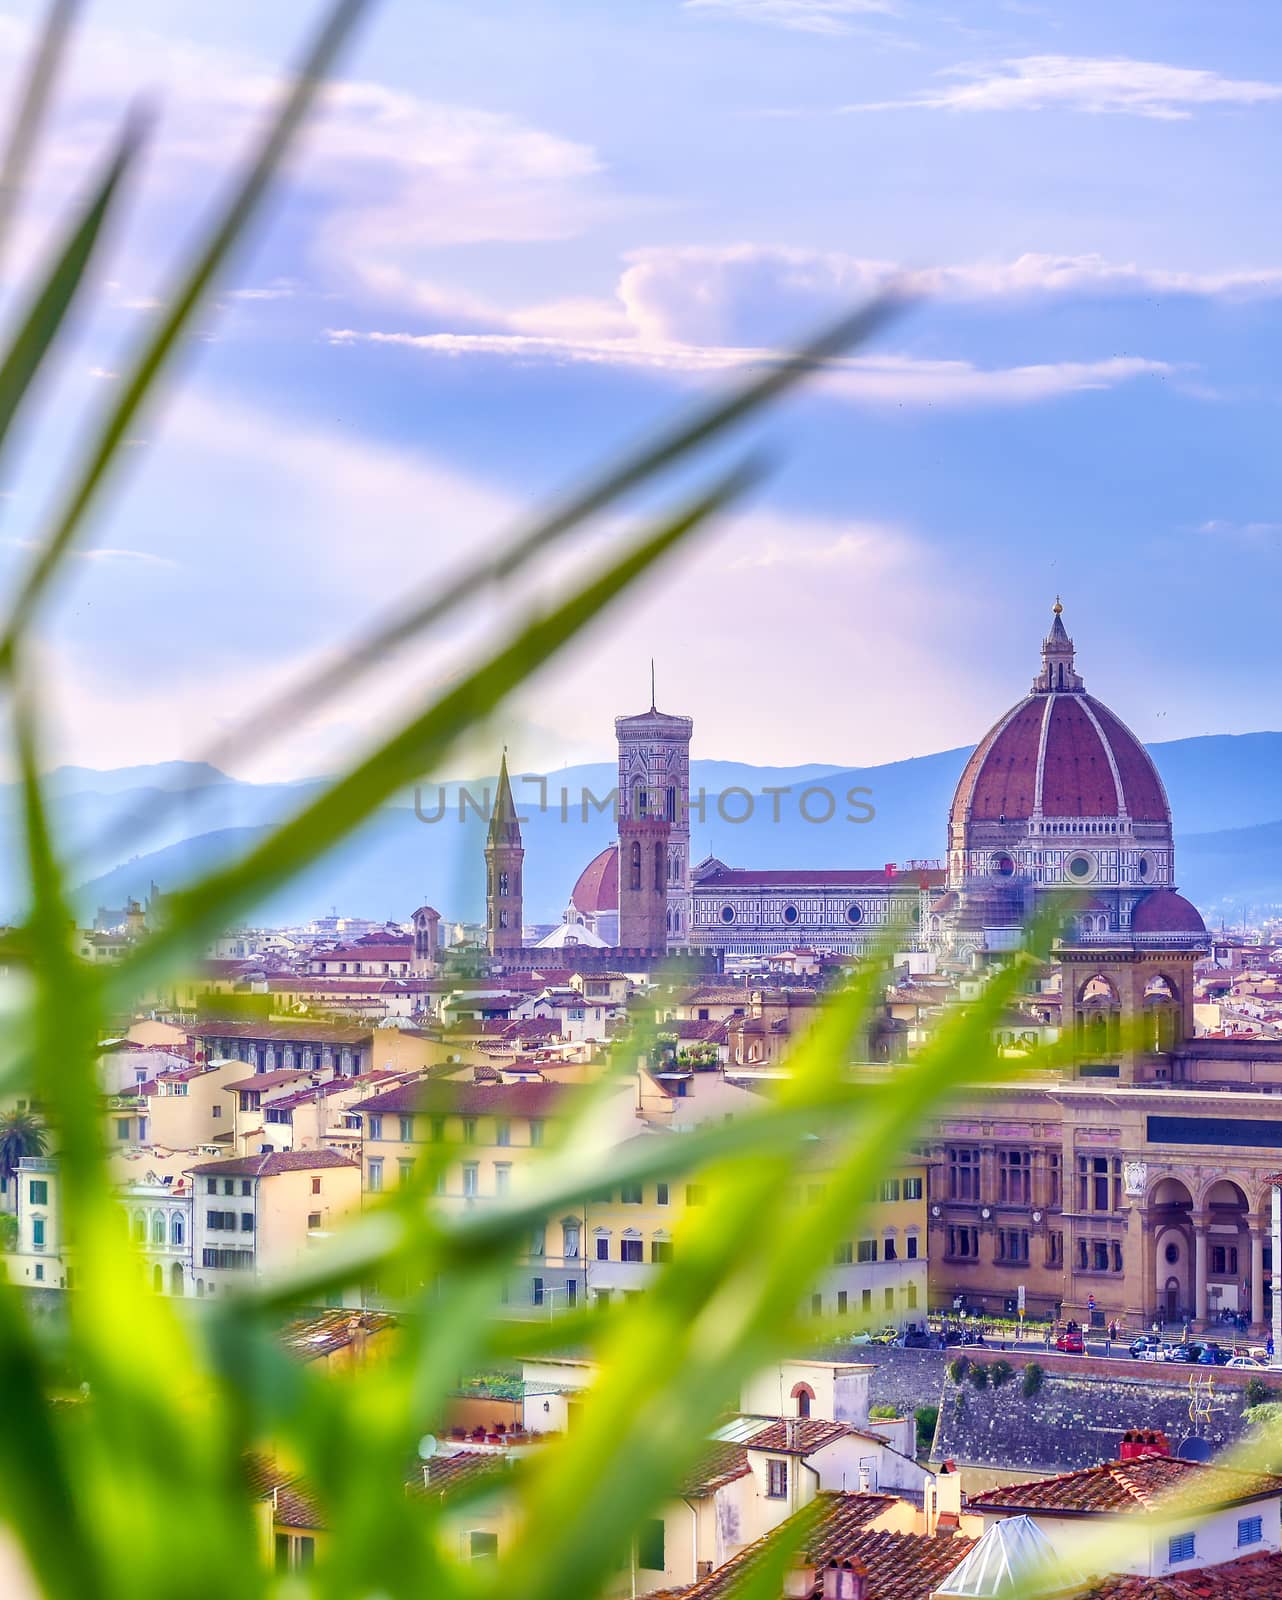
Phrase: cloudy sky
[523,233]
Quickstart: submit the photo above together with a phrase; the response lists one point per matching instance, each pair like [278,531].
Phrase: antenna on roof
[652,700]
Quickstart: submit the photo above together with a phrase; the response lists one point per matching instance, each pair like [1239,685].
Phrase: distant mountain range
[1225,790]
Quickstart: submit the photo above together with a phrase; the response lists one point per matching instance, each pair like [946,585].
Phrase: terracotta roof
[597,888]
[295,1508]
[1123,1486]
[1164,911]
[802,1435]
[443,1096]
[268,1164]
[323,1332]
[899,1566]
[447,1474]
[721,1463]
[375,951]
[274,1079]
[1257,1577]
[1067,740]
[318,1031]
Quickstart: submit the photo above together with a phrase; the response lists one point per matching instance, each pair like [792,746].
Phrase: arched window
[803,1396]
[570,1238]
[176,1278]
[660,866]
[158,1228]
[636,865]
[158,1279]
[140,1228]
[176,1230]
[503,883]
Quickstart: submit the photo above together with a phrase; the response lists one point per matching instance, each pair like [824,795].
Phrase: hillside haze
[1225,792]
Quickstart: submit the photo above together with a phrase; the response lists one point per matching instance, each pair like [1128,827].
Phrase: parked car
[885,1336]
[1190,1353]
[1244,1364]
[1071,1343]
[916,1338]
[1214,1355]
[1143,1345]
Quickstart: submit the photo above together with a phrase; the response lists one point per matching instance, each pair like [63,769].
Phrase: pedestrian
[1157,1329]
[1187,1332]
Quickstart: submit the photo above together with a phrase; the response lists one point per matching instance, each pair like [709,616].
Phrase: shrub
[979,1375]
[1033,1379]
[957,1369]
[1001,1372]
[1257,1392]
[884,1411]
[927,1419]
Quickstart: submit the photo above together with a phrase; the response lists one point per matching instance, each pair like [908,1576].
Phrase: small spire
[505,827]
[1057,675]
[653,703]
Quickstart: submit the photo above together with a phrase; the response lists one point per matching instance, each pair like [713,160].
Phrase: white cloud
[871,380]
[1226,529]
[388,175]
[803,16]
[1086,83]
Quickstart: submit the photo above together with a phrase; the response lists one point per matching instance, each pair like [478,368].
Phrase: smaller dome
[1164,911]
[597,888]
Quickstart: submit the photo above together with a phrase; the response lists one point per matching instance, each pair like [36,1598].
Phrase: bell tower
[504,854]
[643,882]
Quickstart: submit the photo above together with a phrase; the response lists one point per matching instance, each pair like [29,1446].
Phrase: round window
[1080,866]
[727,913]
[790,914]
[1172,1253]
[854,914]
[1146,866]
[1003,865]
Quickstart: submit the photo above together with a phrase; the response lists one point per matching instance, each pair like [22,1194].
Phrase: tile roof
[1257,1577]
[323,1332]
[444,1095]
[899,1566]
[800,1435]
[721,1463]
[268,1164]
[828,878]
[1123,1486]
[446,1475]
[306,1032]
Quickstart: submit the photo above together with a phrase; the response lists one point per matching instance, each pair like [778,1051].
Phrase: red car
[1071,1343]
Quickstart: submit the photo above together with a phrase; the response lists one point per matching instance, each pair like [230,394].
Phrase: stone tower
[427,941]
[654,783]
[504,854]
[644,844]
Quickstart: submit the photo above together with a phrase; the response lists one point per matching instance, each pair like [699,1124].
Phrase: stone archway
[1227,1250]
[1169,1219]
[1163,1014]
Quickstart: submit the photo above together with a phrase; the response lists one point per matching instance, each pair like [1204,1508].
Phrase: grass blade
[40,327]
[31,108]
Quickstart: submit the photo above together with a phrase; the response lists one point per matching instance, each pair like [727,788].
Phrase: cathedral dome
[597,888]
[1059,753]
[1164,911]
[1060,790]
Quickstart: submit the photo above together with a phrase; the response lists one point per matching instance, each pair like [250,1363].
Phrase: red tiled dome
[1056,748]
[597,888]
[1164,911]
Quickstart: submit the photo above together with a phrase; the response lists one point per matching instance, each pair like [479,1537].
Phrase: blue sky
[520,233]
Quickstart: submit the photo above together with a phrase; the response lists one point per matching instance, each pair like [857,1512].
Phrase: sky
[519,236]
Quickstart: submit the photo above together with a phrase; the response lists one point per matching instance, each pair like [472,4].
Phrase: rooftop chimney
[799,1583]
[1140,1442]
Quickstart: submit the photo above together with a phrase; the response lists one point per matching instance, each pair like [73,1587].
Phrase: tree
[20,1135]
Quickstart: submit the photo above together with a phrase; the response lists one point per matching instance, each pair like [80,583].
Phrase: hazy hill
[1225,790]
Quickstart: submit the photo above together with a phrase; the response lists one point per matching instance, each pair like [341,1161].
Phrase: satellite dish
[427,1447]
[1196,1449]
